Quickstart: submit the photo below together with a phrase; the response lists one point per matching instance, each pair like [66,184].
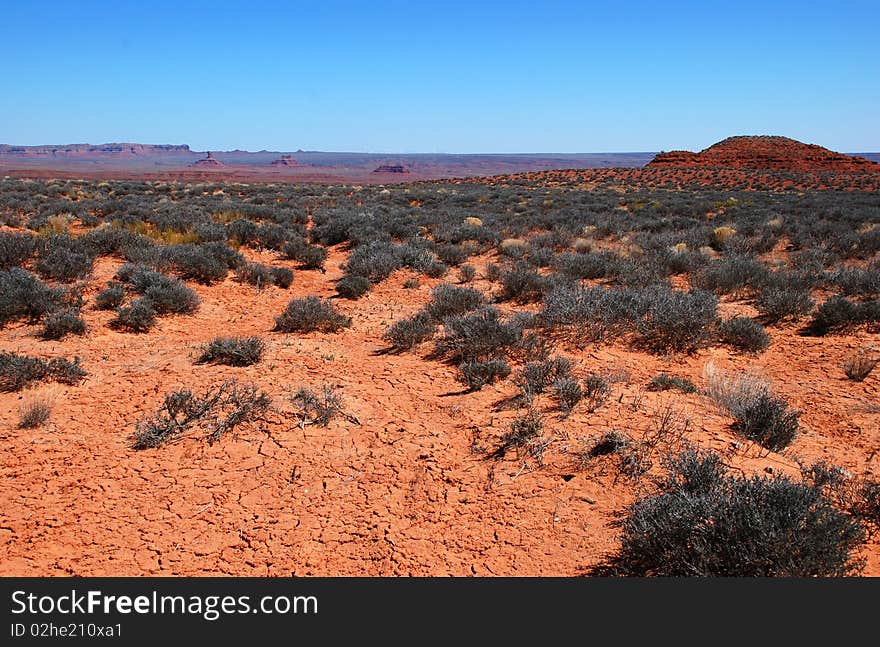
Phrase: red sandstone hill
[767,153]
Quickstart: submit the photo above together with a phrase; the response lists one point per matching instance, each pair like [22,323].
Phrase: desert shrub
[311,314]
[375,260]
[540,257]
[65,265]
[107,241]
[524,434]
[587,265]
[467,273]
[281,276]
[309,257]
[164,294]
[210,232]
[410,332]
[729,390]
[353,287]
[171,296]
[481,334]
[435,270]
[478,373]
[702,521]
[839,314]
[18,371]
[196,263]
[596,391]
[221,252]
[681,260]
[744,333]
[218,411]
[859,365]
[855,281]
[62,322]
[242,231]
[513,247]
[568,393]
[452,255]
[412,283]
[779,303]
[593,312]
[449,300]
[676,321]
[23,295]
[521,284]
[731,275]
[110,297]
[16,249]
[537,377]
[260,275]
[34,413]
[232,351]
[664,382]
[271,236]
[767,420]
[493,272]
[138,317]
[864,504]
[315,409]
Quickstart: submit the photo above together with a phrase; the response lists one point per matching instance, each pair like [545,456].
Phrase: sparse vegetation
[319,409]
[34,412]
[701,521]
[218,411]
[18,371]
[311,314]
[859,365]
[745,334]
[408,333]
[664,382]
[62,322]
[232,351]
[478,373]
[604,266]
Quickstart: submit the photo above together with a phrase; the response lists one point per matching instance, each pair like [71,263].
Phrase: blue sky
[450,76]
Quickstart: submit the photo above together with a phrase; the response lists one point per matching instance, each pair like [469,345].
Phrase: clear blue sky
[451,76]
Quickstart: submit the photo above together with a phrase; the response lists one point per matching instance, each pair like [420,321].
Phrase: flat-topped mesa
[94,150]
[391,168]
[285,160]
[209,161]
[767,153]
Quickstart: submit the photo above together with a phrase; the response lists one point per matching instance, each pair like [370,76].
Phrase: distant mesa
[95,150]
[391,168]
[766,153]
[208,161]
[285,160]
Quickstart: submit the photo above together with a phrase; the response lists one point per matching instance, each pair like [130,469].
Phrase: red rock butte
[209,160]
[766,153]
[391,168]
[285,160]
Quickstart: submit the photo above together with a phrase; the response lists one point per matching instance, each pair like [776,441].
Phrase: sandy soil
[405,493]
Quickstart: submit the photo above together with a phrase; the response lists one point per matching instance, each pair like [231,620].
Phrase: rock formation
[767,153]
[209,161]
[391,168]
[285,160]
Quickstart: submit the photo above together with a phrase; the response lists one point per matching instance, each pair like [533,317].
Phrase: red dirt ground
[404,493]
